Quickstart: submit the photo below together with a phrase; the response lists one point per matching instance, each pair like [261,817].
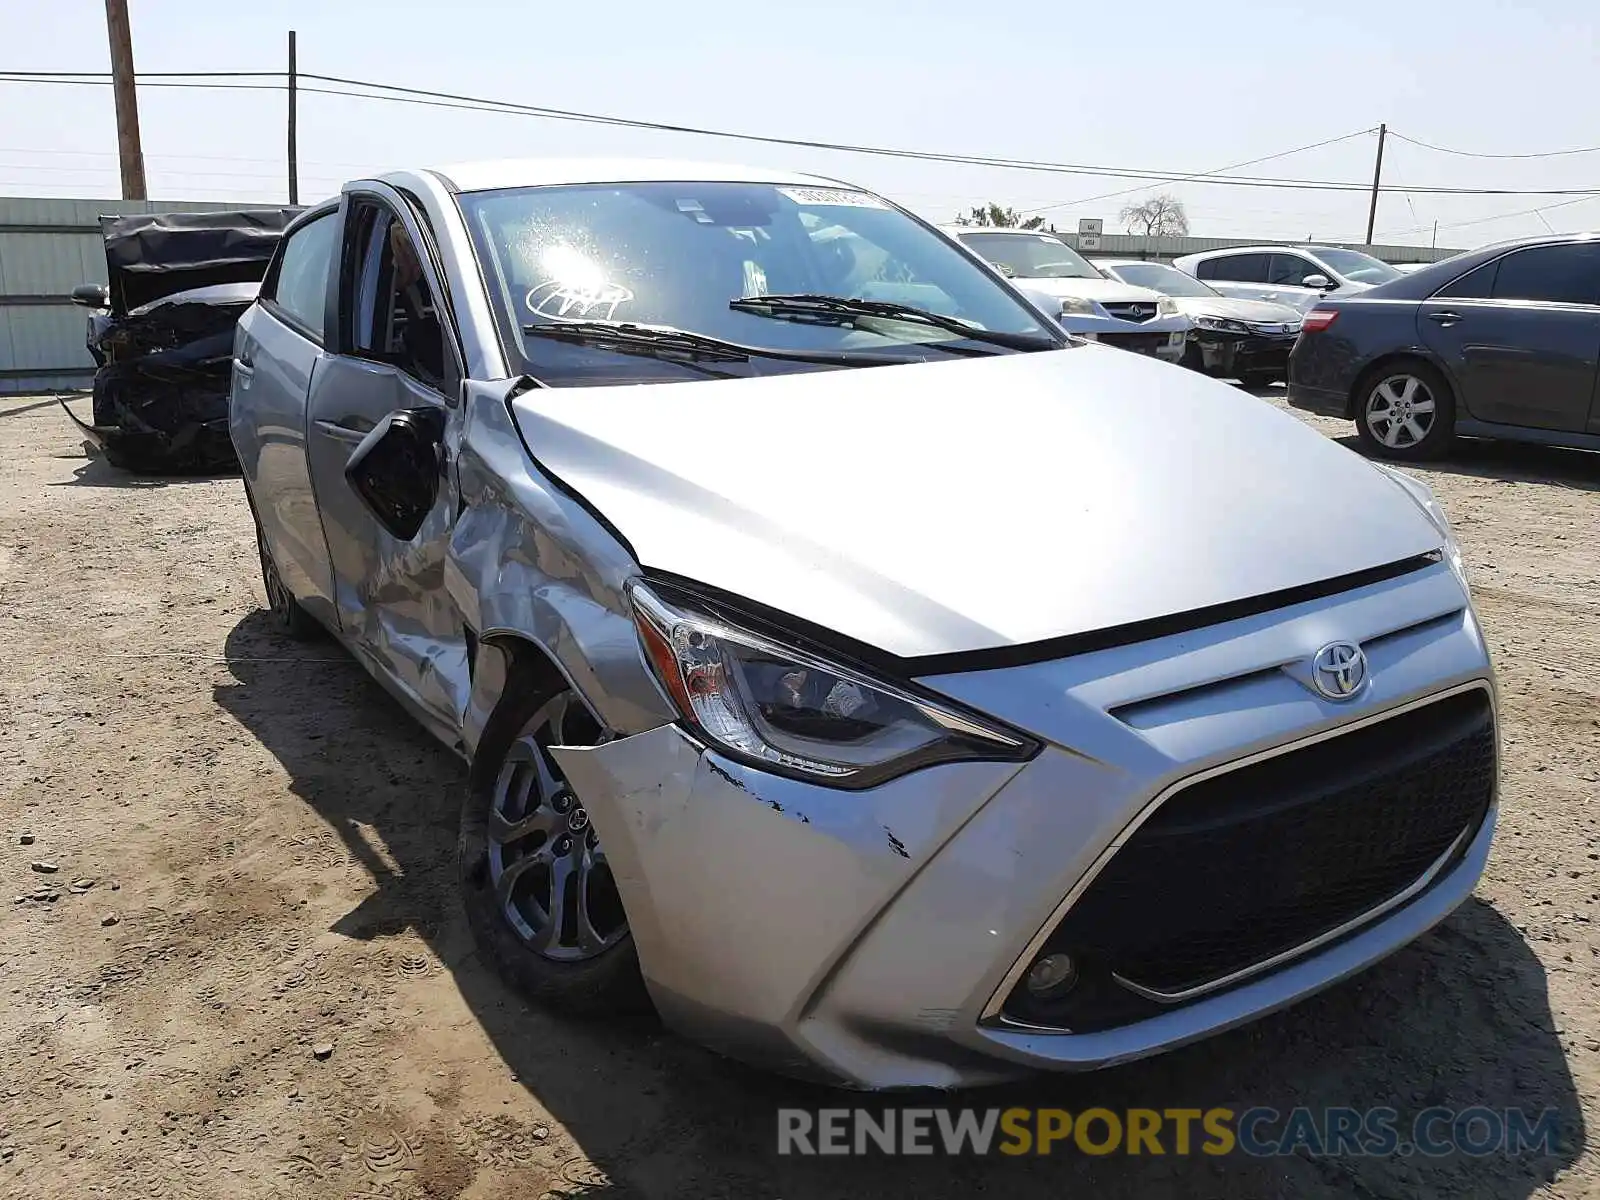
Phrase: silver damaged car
[886,687]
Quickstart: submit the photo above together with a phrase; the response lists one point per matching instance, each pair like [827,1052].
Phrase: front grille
[1135,311]
[1251,864]
[1142,343]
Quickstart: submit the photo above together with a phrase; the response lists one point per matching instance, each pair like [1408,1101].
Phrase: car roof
[1010,229]
[548,172]
[1264,248]
[1128,262]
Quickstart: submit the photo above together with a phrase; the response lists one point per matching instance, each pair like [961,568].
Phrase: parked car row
[1146,307]
[843,666]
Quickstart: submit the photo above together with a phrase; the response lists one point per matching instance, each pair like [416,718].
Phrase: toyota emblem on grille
[1339,670]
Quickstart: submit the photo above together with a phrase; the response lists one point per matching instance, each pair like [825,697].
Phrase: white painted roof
[550,172]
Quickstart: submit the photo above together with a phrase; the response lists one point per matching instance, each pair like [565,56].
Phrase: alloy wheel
[279,599]
[1400,411]
[549,872]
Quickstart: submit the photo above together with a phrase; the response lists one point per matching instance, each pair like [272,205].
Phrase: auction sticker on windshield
[836,197]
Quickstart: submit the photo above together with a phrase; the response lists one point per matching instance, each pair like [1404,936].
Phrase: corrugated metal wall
[1165,249]
[47,248]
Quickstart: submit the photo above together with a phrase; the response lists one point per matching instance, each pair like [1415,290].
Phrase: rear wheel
[1405,411]
[286,612]
[539,893]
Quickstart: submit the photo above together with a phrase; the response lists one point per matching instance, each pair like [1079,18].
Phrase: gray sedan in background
[888,688]
[1247,340]
[1502,342]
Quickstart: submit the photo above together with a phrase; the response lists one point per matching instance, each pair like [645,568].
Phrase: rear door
[1521,336]
[278,346]
[1243,276]
[1285,275]
[396,349]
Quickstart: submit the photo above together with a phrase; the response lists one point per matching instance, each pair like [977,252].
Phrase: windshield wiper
[661,341]
[805,304]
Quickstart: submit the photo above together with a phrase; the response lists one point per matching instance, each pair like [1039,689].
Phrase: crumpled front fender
[746,890]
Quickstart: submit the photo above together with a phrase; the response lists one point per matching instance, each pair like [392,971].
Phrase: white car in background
[1087,303]
[1298,276]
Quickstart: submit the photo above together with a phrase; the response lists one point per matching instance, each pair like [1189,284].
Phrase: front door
[396,350]
[1521,336]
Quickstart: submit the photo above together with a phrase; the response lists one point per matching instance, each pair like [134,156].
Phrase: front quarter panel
[527,561]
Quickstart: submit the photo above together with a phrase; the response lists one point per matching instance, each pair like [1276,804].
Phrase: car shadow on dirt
[97,472]
[1458,1020]
[1509,462]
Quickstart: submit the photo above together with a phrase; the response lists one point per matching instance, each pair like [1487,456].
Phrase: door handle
[1444,318]
[351,432]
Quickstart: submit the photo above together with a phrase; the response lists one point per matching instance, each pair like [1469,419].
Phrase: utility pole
[294,152]
[1377,173]
[129,152]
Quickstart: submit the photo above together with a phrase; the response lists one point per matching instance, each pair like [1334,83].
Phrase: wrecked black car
[162,335]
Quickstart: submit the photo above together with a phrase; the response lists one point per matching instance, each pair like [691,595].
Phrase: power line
[1477,154]
[1344,137]
[481,104]
[395,93]
[11,77]
[1526,212]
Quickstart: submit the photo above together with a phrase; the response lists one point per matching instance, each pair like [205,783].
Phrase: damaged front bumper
[876,939]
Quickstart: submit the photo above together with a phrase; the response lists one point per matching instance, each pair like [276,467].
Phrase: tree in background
[994,216]
[1159,216]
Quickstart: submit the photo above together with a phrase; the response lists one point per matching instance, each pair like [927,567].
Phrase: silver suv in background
[1298,276]
[1086,301]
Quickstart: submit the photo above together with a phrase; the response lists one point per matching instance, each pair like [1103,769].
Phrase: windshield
[1169,281]
[1362,268]
[1031,255]
[678,254]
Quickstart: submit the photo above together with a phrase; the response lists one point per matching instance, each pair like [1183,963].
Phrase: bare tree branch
[1159,216]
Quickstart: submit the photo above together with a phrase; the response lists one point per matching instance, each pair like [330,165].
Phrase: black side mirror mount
[92,295]
[396,468]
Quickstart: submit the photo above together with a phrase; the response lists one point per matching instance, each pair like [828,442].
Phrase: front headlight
[1422,496]
[1166,307]
[787,710]
[1222,324]
[1077,306]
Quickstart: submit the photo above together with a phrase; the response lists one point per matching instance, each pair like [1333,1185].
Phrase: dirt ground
[254,851]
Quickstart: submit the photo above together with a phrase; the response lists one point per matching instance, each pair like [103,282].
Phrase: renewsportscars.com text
[1258,1132]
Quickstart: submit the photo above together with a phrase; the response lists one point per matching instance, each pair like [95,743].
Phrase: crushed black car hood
[152,255]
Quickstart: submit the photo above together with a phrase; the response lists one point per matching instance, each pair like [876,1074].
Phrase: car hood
[934,508]
[1256,311]
[1113,290]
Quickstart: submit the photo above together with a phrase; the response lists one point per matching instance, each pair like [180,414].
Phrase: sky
[1178,87]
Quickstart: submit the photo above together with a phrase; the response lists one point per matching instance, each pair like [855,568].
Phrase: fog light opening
[1052,976]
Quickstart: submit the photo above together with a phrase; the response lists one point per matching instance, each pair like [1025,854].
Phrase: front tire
[1405,411]
[539,894]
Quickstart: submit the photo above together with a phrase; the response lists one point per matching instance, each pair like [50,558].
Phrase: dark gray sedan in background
[1502,342]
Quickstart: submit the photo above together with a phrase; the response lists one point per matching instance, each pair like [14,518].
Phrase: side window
[1238,268]
[390,313]
[1476,284]
[301,286]
[1287,270]
[1556,274]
